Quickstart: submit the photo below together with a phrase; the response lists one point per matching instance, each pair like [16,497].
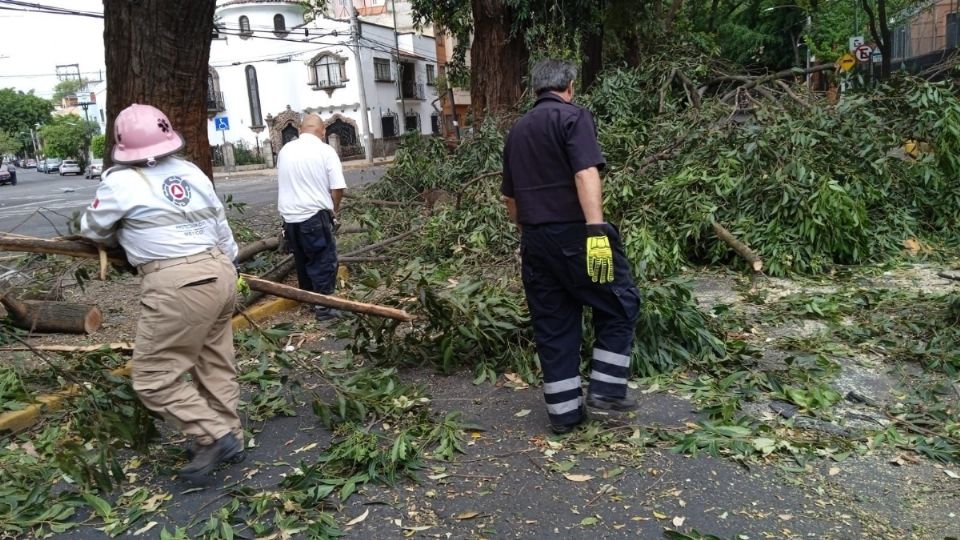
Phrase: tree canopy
[67,88]
[20,111]
[68,136]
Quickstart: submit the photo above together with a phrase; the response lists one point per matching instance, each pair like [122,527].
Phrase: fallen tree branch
[739,247]
[70,248]
[293,293]
[278,273]
[469,183]
[120,346]
[380,244]
[754,81]
[361,259]
[793,95]
[249,251]
[692,93]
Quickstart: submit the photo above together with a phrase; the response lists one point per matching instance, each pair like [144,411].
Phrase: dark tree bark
[158,53]
[499,59]
[591,48]
[712,21]
[880,31]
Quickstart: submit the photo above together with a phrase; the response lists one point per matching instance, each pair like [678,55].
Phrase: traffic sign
[863,53]
[855,42]
[222,123]
[847,62]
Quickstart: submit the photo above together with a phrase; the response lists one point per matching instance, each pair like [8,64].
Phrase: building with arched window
[285,63]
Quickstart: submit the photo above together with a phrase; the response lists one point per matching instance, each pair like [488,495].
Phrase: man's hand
[599,254]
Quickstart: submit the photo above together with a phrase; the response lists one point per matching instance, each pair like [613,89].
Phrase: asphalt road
[41,204]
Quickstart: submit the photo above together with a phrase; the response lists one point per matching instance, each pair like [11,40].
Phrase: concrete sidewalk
[352,165]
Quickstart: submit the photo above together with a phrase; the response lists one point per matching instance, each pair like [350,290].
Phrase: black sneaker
[209,456]
[324,313]
[607,403]
[191,450]
[563,429]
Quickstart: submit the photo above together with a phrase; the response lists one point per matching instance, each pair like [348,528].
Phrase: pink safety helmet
[142,134]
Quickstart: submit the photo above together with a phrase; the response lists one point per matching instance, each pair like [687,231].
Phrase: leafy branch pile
[464,277]
[789,173]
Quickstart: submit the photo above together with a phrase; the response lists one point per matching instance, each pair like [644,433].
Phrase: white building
[269,65]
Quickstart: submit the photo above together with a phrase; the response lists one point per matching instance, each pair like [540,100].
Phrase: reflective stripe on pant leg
[614,322]
[557,323]
[609,372]
[562,397]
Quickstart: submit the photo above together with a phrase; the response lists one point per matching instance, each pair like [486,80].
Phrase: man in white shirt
[164,213]
[310,186]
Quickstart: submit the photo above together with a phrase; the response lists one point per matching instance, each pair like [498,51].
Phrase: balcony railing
[412,91]
[215,101]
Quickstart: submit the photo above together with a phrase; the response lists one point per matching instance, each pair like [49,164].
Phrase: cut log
[293,293]
[52,317]
[739,247]
[71,248]
[250,250]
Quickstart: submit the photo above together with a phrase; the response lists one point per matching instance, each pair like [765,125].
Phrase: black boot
[193,448]
[324,313]
[607,403]
[563,429]
[209,456]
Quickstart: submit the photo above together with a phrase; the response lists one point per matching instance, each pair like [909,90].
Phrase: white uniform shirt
[168,211]
[307,169]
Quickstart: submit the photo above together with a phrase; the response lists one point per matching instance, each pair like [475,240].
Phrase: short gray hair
[552,74]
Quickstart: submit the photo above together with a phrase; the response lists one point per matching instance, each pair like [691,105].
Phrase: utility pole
[355,35]
[396,43]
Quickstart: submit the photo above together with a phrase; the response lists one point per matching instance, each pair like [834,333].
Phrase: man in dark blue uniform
[571,256]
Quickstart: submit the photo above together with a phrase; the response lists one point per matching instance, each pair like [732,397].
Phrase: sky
[33,44]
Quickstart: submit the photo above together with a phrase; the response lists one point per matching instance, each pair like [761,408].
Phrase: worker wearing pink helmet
[163,211]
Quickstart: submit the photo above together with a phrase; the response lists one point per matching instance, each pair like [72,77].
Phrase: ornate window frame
[313,79]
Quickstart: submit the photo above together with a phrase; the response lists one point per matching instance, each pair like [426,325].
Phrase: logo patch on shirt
[96,203]
[177,190]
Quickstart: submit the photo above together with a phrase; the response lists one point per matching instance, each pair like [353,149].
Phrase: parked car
[8,175]
[30,164]
[51,165]
[69,166]
[94,169]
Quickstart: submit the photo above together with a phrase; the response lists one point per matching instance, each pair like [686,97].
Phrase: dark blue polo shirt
[543,153]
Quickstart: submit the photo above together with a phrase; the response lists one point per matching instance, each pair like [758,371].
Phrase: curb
[14,421]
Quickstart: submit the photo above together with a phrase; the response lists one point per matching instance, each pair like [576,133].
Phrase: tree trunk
[591,49]
[44,316]
[881,34]
[499,60]
[158,55]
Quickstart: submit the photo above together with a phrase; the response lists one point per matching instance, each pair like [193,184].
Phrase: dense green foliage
[97,145]
[68,137]
[801,185]
[20,111]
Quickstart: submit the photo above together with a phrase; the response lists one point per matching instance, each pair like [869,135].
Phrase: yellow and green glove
[599,254]
[242,286]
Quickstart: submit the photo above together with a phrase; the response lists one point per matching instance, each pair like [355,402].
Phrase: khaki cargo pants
[185,309]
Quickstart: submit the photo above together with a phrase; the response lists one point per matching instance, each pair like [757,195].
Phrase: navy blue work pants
[557,287]
[315,252]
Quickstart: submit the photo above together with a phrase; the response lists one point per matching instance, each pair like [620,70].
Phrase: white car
[69,166]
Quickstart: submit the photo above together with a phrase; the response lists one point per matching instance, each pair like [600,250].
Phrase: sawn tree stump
[52,317]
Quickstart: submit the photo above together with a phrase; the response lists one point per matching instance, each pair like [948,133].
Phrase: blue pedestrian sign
[222,123]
